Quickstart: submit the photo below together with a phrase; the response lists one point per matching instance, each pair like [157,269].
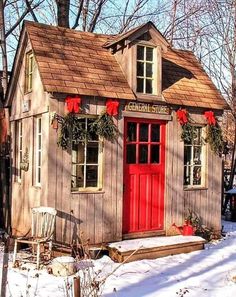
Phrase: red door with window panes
[144,173]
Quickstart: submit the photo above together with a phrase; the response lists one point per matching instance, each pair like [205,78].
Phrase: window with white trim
[87,162]
[145,70]
[19,148]
[38,151]
[29,69]
[194,160]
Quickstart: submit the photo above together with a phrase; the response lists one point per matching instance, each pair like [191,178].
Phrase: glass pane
[140,82]
[131,154]
[39,142]
[155,133]
[197,135]
[91,176]
[197,155]
[187,175]
[77,178]
[39,126]
[149,86]
[39,175]
[78,153]
[140,69]
[149,72]
[143,132]
[39,158]
[131,132]
[196,175]
[140,52]
[155,154]
[143,153]
[149,54]
[92,152]
[187,155]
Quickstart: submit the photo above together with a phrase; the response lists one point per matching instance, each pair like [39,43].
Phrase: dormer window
[145,67]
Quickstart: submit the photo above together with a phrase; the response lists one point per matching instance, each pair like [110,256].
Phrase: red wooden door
[144,172]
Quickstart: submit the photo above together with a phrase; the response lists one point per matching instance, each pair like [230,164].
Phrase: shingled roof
[75,62]
[186,83]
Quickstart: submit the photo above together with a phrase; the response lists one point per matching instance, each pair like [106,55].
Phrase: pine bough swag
[214,133]
[72,130]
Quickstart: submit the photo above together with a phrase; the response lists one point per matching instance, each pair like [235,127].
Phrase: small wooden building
[137,185]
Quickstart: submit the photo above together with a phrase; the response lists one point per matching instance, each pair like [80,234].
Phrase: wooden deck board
[119,253]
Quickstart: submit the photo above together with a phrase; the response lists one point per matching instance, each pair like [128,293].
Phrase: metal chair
[42,230]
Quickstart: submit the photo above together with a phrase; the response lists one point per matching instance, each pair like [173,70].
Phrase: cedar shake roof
[186,83]
[75,62]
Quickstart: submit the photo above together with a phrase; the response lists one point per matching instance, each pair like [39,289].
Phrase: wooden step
[154,247]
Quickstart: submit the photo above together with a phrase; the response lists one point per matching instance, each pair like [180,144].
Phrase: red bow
[73,104]
[112,107]
[182,116]
[209,115]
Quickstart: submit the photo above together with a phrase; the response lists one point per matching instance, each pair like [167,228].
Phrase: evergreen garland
[214,138]
[71,130]
[104,127]
[188,133]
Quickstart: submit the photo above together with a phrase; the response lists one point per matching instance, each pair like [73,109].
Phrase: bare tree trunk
[3,49]
[63,9]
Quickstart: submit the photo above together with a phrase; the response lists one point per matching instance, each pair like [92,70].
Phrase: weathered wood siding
[98,216]
[24,195]
[206,201]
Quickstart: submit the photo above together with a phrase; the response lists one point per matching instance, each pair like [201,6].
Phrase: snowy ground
[211,272]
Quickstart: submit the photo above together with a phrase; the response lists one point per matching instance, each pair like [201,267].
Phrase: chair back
[43,222]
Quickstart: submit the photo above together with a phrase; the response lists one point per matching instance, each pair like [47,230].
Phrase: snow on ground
[211,273]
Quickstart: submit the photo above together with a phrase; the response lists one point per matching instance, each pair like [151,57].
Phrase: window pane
[149,54]
[187,175]
[77,178]
[140,52]
[197,155]
[131,154]
[196,175]
[149,70]
[155,154]
[131,132]
[140,82]
[143,132]
[140,69]
[39,175]
[143,153]
[187,155]
[92,152]
[78,153]
[91,176]
[155,133]
[149,86]
[197,136]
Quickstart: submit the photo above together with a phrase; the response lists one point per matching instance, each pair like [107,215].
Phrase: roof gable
[136,33]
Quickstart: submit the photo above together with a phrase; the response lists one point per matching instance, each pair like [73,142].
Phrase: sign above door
[147,107]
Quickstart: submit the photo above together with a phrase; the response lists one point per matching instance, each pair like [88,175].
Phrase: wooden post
[77,287]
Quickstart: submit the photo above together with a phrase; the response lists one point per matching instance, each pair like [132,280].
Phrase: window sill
[195,188]
[88,192]
[149,97]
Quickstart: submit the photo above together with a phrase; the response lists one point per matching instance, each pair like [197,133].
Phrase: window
[38,151]
[145,67]
[19,148]
[29,71]
[194,160]
[87,162]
